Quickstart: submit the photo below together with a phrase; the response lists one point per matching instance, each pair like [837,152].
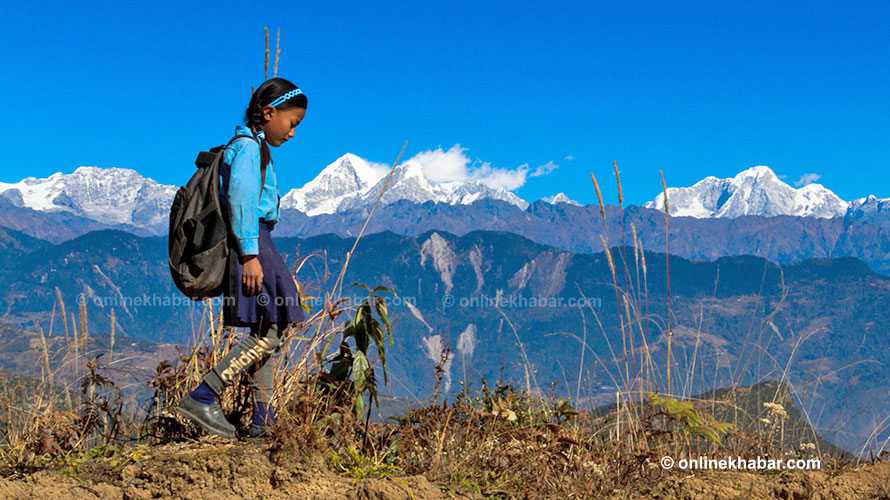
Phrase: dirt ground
[215,470]
[867,482]
[220,469]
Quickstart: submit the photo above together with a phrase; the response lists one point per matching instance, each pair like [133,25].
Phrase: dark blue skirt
[278,301]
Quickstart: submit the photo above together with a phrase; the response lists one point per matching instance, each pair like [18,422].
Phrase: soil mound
[851,483]
[212,469]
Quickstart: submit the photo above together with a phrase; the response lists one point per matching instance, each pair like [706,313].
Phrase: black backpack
[199,237]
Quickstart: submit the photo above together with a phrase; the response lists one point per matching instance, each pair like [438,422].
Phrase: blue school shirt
[240,190]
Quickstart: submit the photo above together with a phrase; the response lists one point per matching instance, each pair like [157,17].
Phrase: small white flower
[776,409]
[594,467]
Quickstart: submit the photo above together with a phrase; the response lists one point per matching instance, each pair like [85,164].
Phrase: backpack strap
[262,167]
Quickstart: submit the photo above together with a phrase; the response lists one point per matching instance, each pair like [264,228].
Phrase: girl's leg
[254,348]
[262,378]
[250,354]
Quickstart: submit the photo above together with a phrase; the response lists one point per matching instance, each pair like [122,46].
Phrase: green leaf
[359,373]
[383,288]
[351,331]
[363,286]
[376,333]
[359,313]
[381,352]
[371,384]
[326,346]
[359,367]
[692,420]
[362,333]
[383,312]
[340,369]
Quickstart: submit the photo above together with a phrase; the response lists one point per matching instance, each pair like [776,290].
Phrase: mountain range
[123,199]
[112,196]
[350,183]
[755,191]
[63,207]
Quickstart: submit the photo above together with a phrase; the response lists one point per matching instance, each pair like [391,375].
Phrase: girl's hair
[266,93]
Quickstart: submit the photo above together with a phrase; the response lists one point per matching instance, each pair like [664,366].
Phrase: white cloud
[569,157]
[444,166]
[544,169]
[454,165]
[500,177]
[807,179]
[380,169]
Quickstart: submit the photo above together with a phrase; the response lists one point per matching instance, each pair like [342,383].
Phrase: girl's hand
[251,274]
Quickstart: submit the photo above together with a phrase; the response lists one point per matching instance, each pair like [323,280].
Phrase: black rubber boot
[209,417]
[258,431]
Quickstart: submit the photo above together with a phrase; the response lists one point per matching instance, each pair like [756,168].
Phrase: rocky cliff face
[783,239]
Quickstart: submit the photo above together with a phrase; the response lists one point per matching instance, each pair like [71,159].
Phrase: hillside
[737,319]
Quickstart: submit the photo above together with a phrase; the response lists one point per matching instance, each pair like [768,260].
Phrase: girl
[261,293]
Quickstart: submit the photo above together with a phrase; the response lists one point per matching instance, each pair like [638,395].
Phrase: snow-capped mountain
[560,198]
[464,193]
[117,196]
[406,183]
[755,191]
[350,183]
[344,179]
[869,206]
[107,195]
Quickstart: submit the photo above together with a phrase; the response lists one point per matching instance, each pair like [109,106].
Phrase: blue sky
[692,88]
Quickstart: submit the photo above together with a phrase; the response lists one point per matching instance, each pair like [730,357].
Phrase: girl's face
[280,124]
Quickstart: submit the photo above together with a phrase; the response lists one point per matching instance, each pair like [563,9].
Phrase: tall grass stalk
[266,62]
[277,52]
[527,366]
[667,258]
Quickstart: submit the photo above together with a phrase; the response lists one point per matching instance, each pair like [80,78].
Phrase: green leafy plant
[691,419]
[563,411]
[353,464]
[504,401]
[351,368]
[72,463]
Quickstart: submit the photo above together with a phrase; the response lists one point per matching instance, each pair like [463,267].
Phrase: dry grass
[74,405]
